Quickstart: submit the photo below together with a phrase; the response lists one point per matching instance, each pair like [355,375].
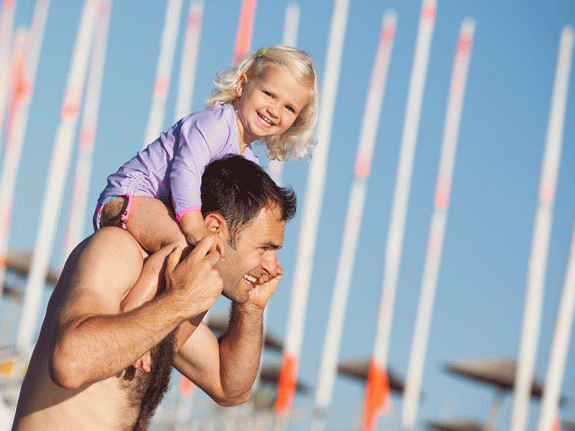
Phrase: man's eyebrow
[270,244]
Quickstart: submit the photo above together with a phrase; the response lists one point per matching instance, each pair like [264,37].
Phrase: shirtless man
[80,375]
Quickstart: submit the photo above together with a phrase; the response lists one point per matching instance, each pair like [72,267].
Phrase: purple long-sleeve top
[171,167]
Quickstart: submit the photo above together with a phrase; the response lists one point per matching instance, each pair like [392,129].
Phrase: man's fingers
[203,247]
[221,249]
[173,258]
[213,256]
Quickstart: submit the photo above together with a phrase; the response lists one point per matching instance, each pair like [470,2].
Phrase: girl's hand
[145,363]
[218,243]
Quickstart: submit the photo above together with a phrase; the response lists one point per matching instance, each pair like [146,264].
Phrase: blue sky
[481,285]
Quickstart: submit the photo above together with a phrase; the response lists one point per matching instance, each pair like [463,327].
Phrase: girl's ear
[214,222]
[241,85]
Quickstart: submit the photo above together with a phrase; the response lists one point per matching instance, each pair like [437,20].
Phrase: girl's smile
[269,105]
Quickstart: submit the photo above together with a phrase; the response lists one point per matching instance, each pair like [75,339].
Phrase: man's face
[254,257]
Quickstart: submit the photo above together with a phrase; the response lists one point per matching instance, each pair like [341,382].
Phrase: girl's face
[269,105]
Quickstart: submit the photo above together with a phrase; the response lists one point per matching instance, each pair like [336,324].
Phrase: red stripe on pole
[287,383]
[162,85]
[194,20]
[362,166]
[20,87]
[464,45]
[546,194]
[442,193]
[387,34]
[428,12]
[245,27]
[87,137]
[71,106]
[377,395]
[7,223]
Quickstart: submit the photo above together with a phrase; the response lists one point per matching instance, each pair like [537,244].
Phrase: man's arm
[225,369]
[94,340]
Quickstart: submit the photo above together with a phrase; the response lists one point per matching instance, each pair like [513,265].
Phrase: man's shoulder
[107,243]
[107,262]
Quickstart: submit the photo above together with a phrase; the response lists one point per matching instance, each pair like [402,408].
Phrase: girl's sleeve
[199,141]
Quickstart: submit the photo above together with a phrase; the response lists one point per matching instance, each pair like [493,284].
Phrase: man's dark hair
[238,189]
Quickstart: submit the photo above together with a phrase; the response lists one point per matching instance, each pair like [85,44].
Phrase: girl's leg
[154,227]
[149,221]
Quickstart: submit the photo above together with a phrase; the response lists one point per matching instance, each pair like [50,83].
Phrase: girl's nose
[273,110]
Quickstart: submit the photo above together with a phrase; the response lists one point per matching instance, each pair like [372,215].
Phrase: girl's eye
[267,93]
[289,108]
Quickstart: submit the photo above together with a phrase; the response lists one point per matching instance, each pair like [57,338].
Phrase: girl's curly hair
[294,142]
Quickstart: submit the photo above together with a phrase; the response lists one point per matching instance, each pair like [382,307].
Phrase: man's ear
[215,222]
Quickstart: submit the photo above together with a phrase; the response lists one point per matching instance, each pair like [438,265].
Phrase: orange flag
[287,383]
[556,424]
[377,396]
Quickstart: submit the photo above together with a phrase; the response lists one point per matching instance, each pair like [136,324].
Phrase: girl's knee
[112,212]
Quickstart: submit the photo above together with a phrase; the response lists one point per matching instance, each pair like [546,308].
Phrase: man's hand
[266,286]
[194,277]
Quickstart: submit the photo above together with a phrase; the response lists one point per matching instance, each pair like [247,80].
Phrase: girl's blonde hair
[293,143]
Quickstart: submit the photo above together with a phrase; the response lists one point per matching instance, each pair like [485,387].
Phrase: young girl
[271,97]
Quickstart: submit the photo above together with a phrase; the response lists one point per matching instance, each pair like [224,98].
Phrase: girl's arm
[193,226]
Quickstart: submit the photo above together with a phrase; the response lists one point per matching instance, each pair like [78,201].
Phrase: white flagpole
[311,212]
[401,195]
[75,230]
[291,25]
[7,14]
[376,91]
[57,175]
[437,229]
[559,348]
[18,89]
[245,30]
[184,98]
[190,52]
[163,72]
[540,241]
[18,86]
[28,52]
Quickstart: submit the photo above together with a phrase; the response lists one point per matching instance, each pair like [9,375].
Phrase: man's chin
[241,294]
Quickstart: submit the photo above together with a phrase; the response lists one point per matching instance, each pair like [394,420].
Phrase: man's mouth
[250,279]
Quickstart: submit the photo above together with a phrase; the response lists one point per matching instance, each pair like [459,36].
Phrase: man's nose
[270,265]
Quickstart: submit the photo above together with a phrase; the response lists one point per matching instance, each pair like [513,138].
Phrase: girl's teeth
[265,119]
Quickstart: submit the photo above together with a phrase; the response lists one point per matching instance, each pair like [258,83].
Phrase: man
[80,377]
